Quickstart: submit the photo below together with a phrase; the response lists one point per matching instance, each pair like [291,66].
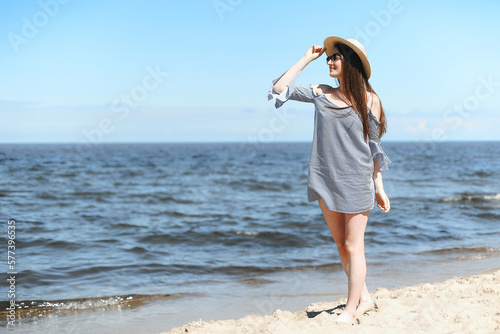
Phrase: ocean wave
[467,253]
[483,174]
[51,243]
[464,250]
[473,198]
[250,270]
[55,308]
[486,215]
[247,232]
[254,184]
[227,238]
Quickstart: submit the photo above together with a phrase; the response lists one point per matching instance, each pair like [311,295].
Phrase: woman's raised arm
[313,53]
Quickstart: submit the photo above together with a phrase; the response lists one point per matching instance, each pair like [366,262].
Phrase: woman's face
[335,65]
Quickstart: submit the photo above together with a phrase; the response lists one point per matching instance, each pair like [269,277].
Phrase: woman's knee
[354,247]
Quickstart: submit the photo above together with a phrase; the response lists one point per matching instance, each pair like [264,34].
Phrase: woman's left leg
[355,226]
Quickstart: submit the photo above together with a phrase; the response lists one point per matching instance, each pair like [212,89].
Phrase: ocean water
[119,232]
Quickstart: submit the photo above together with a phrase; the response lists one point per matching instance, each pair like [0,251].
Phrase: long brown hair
[355,87]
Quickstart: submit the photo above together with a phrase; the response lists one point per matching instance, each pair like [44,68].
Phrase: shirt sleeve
[376,146]
[303,93]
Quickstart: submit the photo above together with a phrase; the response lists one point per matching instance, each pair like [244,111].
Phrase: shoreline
[466,304]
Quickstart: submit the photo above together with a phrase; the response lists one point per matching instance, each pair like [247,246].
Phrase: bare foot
[346,318]
[365,306]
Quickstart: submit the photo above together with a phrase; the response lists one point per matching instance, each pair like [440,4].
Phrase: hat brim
[329,45]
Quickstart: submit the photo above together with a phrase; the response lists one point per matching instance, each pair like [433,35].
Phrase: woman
[347,158]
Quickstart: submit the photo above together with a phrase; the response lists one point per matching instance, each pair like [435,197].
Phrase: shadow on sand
[337,308]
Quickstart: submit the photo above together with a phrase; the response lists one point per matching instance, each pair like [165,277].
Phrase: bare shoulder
[320,89]
[375,105]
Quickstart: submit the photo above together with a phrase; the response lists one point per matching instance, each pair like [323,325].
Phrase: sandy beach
[458,305]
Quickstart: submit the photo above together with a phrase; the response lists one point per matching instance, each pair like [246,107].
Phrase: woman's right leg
[336,224]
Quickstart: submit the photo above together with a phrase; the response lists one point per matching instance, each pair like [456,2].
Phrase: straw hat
[330,42]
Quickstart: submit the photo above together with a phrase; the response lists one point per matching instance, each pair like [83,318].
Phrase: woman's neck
[341,90]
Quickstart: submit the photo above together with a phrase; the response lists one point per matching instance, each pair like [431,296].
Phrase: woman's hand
[314,52]
[383,201]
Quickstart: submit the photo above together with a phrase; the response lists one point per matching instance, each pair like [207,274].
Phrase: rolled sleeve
[303,93]
[376,146]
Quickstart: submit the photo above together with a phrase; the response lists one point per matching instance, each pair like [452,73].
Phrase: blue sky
[199,71]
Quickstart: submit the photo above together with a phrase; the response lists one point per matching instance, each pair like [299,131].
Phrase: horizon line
[235,142]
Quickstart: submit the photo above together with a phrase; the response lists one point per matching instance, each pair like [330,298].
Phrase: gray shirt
[341,165]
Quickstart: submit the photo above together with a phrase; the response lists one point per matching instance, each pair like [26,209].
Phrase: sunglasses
[334,57]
